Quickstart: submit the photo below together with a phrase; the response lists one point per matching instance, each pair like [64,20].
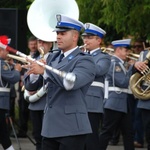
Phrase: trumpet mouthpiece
[82,46]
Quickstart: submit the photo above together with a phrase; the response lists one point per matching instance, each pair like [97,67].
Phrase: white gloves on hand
[69,80]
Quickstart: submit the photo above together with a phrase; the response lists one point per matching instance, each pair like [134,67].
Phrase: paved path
[26,144]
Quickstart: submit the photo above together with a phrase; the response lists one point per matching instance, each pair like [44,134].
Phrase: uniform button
[50,106]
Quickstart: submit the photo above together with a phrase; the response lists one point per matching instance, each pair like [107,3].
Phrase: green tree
[118,17]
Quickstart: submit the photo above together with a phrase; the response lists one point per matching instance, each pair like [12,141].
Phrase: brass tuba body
[137,81]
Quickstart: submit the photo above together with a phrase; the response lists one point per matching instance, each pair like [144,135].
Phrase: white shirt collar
[91,52]
[69,51]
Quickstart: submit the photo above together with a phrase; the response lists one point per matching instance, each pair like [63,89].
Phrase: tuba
[41,16]
[41,20]
[138,79]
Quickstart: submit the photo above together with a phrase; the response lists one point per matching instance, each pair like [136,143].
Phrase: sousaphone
[41,20]
[41,16]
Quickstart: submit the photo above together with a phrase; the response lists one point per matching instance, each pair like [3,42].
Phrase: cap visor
[90,34]
[61,30]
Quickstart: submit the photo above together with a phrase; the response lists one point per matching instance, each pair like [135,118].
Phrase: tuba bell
[41,20]
[41,16]
[138,79]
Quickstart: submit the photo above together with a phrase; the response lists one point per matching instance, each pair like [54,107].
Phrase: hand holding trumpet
[17,66]
[33,67]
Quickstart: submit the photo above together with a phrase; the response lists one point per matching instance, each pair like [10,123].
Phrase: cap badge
[87,25]
[58,18]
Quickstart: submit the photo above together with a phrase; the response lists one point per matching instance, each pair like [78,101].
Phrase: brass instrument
[41,50]
[138,79]
[107,50]
[83,47]
[45,18]
[42,23]
[133,56]
[23,60]
[110,51]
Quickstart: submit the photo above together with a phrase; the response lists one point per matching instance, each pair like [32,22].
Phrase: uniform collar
[119,58]
[94,50]
[46,55]
[69,51]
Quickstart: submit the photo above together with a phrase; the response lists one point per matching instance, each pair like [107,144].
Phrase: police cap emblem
[58,18]
[87,25]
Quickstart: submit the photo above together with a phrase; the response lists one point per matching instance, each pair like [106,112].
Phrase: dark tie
[61,57]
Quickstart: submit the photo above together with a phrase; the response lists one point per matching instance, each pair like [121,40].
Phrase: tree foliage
[119,17]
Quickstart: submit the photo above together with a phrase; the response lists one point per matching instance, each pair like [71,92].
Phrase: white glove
[69,80]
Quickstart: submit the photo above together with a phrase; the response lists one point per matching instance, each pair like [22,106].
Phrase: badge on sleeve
[5,67]
[117,68]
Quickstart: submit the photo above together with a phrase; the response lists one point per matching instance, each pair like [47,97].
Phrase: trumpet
[110,51]
[68,76]
[133,56]
[83,47]
[23,60]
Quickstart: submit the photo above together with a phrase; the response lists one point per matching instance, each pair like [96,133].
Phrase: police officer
[92,37]
[24,113]
[7,77]
[65,122]
[144,105]
[116,108]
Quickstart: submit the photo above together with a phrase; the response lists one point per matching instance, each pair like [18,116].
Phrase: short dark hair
[32,38]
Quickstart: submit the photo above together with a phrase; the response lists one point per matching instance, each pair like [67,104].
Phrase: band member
[116,109]
[37,106]
[65,122]
[92,37]
[138,47]
[144,105]
[24,113]
[7,77]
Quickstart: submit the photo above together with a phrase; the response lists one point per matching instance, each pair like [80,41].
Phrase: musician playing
[92,37]
[7,77]
[24,112]
[65,122]
[116,107]
[144,105]
[36,108]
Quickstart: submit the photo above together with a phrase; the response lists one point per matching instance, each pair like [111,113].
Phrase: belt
[117,89]
[99,84]
[2,89]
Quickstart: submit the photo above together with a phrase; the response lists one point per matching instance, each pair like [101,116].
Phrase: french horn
[138,79]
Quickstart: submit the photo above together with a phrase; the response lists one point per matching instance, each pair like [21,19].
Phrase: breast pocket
[94,100]
[77,115]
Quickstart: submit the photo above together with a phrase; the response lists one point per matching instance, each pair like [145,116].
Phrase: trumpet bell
[41,16]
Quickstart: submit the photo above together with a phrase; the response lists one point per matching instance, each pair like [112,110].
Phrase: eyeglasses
[137,46]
